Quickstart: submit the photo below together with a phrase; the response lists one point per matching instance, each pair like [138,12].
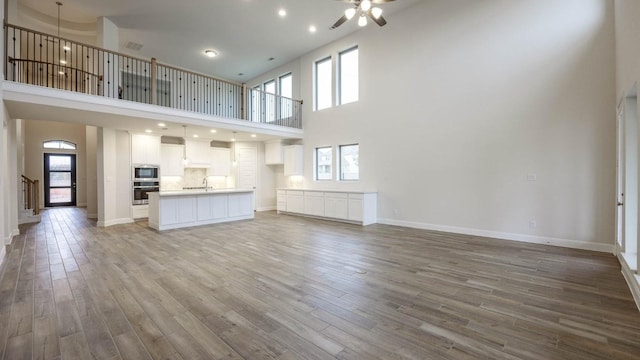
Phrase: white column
[12,170]
[107,37]
[106,169]
[92,172]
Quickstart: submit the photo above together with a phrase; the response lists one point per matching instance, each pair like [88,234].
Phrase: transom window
[348,76]
[59,144]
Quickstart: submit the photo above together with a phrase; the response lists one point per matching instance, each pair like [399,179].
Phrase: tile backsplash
[193,178]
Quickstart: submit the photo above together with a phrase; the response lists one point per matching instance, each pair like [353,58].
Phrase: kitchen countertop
[329,190]
[200,192]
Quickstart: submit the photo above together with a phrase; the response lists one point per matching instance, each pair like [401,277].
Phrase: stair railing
[31,194]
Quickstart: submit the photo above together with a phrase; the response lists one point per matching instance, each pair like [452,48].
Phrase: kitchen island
[183,208]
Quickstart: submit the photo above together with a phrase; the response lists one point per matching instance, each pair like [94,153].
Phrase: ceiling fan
[366,8]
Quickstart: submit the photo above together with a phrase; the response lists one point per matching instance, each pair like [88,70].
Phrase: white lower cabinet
[212,207]
[240,204]
[335,205]
[358,207]
[282,200]
[314,203]
[139,211]
[295,201]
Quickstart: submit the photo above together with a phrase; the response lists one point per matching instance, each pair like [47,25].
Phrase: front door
[59,180]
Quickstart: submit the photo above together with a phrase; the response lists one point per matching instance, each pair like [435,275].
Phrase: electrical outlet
[533,224]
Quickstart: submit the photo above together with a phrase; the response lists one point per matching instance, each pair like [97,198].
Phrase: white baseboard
[3,254]
[8,239]
[633,280]
[15,232]
[266,208]
[114,222]
[574,244]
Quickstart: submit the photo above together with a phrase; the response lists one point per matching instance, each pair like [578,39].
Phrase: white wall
[460,101]
[36,132]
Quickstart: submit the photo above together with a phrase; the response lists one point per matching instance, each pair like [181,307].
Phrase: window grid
[349,162]
[323,162]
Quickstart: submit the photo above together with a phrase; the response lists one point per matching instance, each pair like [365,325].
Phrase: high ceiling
[245,33]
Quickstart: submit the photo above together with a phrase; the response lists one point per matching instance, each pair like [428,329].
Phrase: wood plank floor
[282,287]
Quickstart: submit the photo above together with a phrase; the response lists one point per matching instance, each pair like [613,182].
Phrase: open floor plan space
[284,287]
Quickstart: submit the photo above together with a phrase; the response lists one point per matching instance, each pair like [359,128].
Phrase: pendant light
[233,140]
[185,161]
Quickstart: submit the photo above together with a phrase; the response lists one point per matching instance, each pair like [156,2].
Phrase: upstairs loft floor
[32,102]
[285,287]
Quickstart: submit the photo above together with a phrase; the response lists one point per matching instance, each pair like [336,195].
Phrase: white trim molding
[574,244]
[266,208]
[633,279]
[115,222]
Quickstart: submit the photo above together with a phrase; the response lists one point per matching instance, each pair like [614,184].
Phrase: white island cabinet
[177,209]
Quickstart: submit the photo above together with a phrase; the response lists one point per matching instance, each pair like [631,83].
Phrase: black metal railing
[45,60]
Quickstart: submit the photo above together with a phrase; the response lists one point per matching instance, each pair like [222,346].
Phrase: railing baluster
[35,58]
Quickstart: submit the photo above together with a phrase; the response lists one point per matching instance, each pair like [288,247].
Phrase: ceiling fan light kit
[366,8]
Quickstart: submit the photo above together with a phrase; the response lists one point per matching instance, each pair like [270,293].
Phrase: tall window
[349,162]
[270,100]
[323,163]
[286,91]
[323,83]
[348,76]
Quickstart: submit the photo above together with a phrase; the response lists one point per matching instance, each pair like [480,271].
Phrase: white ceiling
[246,33]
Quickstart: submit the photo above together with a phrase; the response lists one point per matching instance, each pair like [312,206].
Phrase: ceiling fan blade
[380,20]
[339,22]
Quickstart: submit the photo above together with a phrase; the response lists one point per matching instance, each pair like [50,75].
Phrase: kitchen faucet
[206,184]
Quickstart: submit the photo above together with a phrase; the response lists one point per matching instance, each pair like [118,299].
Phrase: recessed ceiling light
[312,29]
[195,135]
[213,131]
[211,53]
[240,74]
[162,124]
[63,62]
[253,135]
[148,131]
[282,12]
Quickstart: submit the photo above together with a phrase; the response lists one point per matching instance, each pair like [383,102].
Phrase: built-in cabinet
[171,164]
[198,153]
[145,149]
[293,160]
[220,162]
[358,207]
[274,152]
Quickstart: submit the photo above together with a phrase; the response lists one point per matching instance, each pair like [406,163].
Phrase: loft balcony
[48,61]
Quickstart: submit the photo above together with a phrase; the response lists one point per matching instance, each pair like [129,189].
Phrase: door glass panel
[59,179]
[60,195]
[59,163]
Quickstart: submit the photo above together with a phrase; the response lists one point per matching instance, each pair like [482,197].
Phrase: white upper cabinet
[293,156]
[220,162]
[145,149]
[198,153]
[273,152]
[171,164]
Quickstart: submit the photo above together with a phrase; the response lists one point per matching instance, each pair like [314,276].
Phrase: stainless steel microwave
[146,172]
